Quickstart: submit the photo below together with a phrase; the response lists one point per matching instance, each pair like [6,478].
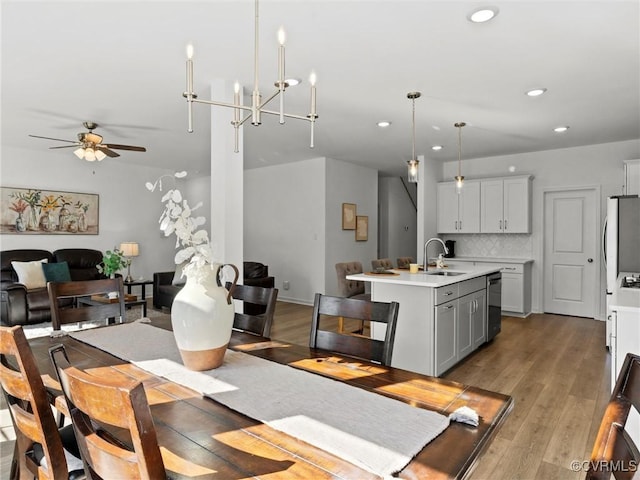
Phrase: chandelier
[412,165]
[257,107]
[459,178]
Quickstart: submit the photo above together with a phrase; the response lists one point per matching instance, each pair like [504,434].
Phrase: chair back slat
[62,314]
[96,405]
[354,345]
[255,324]
[29,407]
[614,451]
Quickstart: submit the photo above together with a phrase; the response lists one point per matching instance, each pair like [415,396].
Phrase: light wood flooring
[555,367]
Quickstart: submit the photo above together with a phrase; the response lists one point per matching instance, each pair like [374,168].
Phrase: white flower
[192,243]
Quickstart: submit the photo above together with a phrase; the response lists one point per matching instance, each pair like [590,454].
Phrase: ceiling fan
[90,145]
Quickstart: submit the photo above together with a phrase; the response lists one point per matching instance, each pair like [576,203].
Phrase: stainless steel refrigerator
[621,242]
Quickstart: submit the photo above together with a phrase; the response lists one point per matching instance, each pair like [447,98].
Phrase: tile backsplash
[489,245]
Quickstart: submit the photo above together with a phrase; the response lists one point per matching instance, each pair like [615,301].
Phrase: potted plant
[112,262]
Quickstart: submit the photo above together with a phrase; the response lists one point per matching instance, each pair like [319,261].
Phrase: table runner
[374,432]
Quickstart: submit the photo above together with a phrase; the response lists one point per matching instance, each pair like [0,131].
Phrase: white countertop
[490,259]
[625,299]
[422,279]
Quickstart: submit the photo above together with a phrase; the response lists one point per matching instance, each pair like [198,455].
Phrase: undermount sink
[444,273]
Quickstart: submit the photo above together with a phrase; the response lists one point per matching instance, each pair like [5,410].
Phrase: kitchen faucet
[426,244]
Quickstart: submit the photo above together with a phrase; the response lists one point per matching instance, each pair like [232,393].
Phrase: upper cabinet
[505,205]
[632,177]
[458,212]
[490,205]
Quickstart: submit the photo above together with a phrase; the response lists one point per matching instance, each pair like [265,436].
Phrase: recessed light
[384,124]
[561,129]
[536,92]
[436,147]
[483,14]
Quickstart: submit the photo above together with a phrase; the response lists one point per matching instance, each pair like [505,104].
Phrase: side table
[142,284]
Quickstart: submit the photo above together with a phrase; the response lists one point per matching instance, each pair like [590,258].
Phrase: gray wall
[397,220]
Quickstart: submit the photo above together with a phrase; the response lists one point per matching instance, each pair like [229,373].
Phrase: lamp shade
[130,249]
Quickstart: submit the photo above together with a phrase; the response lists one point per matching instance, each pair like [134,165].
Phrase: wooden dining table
[203,439]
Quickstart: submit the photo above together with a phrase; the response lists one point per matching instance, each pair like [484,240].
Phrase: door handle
[500,227]
[505,224]
[590,260]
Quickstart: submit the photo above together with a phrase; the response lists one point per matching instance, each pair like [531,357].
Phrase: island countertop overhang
[423,279]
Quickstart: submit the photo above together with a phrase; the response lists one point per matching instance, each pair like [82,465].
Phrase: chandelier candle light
[459,178]
[257,105]
[412,164]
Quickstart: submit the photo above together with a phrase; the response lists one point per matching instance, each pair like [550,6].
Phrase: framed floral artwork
[34,211]
[348,216]
[362,228]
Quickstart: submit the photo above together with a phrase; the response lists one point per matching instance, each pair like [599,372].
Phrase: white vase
[202,318]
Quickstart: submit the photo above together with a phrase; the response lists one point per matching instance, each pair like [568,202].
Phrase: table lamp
[129,249]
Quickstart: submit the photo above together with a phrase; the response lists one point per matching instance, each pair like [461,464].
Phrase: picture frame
[36,211]
[348,216]
[362,228]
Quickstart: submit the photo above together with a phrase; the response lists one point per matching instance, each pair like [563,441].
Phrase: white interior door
[570,247]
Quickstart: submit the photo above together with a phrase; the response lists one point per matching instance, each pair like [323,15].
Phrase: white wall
[397,220]
[293,222]
[127,211]
[592,165]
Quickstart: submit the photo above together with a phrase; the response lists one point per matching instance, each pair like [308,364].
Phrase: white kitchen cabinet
[632,177]
[446,322]
[479,319]
[505,205]
[458,212]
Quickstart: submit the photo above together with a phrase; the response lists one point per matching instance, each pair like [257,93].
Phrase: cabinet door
[632,177]
[469,208]
[445,335]
[447,208]
[479,319]
[512,292]
[517,205]
[466,312]
[491,201]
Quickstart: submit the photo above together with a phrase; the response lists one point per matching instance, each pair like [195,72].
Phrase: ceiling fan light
[100,155]
[79,153]
[89,155]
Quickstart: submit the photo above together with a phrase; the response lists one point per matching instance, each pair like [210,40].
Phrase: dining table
[202,438]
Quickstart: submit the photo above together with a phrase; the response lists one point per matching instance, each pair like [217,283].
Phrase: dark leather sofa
[20,306]
[255,273]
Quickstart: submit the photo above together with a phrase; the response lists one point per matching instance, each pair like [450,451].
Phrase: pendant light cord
[413,121]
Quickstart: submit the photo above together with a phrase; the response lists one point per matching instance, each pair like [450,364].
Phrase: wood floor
[555,367]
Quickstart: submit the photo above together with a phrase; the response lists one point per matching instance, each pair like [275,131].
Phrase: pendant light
[459,178]
[412,165]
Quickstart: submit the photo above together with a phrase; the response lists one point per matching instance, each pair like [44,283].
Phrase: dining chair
[381,263]
[102,308]
[614,451]
[350,288]
[39,450]
[403,262]
[326,306]
[259,324]
[99,405]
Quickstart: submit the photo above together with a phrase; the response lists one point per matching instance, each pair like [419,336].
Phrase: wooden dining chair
[614,452]
[404,262]
[351,344]
[97,403]
[381,263]
[39,450]
[256,324]
[102,308]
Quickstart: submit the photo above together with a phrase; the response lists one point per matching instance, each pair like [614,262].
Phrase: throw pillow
[56,272]
[30,274]
[178,279]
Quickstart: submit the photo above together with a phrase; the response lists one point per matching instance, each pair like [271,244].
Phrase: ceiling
[122,65]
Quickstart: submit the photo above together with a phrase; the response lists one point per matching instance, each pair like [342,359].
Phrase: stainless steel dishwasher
[494,304]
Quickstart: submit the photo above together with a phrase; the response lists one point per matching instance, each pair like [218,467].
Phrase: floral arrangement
[195,250]
[112,262]
[19,207]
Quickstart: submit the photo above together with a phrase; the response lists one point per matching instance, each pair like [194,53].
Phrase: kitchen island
[442,316]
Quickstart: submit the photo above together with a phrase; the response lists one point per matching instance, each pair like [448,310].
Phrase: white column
[226,229]
[428,177]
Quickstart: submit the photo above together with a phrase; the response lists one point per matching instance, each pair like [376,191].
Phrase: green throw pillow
[56,272]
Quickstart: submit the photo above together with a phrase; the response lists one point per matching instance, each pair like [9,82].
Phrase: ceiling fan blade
[66,146]
[125,147]
[56,139]
[106,151]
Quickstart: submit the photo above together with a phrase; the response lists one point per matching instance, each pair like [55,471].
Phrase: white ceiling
[122,65]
